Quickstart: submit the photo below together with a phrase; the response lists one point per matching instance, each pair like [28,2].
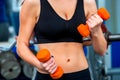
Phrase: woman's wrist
[96,32]
[40,68]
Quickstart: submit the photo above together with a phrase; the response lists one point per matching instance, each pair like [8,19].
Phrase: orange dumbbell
[84,29]
[43,56]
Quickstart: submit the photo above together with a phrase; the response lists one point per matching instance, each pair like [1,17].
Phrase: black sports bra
[51,28]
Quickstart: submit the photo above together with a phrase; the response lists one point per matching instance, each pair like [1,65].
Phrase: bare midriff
[69,55]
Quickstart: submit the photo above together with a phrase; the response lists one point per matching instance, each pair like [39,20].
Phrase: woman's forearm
[26,54]
[99,43]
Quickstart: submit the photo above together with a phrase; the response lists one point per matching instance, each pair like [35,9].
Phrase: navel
[68,60]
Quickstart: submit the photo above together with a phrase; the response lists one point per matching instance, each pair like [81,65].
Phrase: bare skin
[69,55]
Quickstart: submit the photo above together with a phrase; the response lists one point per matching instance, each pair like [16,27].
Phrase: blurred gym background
[13,68]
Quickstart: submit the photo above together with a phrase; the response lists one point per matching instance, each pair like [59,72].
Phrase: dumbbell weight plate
[10,69]
[28,70]
[7,55]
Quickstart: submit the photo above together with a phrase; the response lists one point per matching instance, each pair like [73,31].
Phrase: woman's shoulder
[31,3]
[30,8]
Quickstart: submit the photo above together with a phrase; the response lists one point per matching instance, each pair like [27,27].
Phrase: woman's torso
[69,55]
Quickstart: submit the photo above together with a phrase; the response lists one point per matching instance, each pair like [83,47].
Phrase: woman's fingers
[50,65]
[53,69]
[94,21]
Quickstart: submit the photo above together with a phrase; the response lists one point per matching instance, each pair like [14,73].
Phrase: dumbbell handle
[84,29]
[43,56]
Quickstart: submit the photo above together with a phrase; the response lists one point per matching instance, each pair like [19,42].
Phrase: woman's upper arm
[28,17]
[90,8]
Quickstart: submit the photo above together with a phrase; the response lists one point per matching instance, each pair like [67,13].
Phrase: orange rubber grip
[103,13]
[44,55]
[84,29]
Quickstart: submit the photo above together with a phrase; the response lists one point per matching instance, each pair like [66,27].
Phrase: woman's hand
[94,23]
[50,66]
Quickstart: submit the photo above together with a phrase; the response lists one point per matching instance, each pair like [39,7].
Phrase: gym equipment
[27,69]
[84,29]
[98,68]
[43,56]
[106,71]
[8,48]
[10,67]
[108,36]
